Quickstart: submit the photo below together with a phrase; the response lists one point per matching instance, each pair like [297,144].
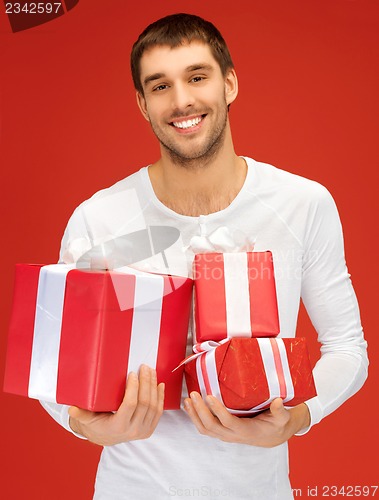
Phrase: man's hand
[268,429]
[136,418]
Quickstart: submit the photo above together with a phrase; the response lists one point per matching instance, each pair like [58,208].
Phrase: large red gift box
[247,374]
[235,296]
[75,334]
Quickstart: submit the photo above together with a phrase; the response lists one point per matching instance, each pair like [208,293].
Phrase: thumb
[276,407]
[79,414]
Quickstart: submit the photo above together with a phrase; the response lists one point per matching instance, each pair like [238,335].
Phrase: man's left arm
[329,298]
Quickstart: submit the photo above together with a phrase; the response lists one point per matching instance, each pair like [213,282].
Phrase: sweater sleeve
[330,301]
[75,242]
[60,414]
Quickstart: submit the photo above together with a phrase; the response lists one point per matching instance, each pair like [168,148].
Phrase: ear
[141,101]
[231,86]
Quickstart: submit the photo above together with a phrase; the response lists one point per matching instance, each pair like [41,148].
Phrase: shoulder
[266,178]
[118,198]
[105,215]
[131,182]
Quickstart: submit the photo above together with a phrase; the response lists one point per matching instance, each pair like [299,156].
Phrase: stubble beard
[204,154]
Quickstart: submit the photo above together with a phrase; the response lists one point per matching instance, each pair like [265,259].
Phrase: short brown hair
[174,30]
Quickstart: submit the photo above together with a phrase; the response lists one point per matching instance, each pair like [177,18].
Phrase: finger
[129,403]
[191,411]
[143,394]
[205,422]
[158,413]
[161,393]
[218,409]
[153,405]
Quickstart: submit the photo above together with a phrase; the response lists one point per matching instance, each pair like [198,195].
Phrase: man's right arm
[142,406]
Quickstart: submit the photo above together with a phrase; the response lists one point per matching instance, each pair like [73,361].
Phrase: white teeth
[188,123]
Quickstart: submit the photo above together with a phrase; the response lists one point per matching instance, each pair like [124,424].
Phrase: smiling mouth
[187,124]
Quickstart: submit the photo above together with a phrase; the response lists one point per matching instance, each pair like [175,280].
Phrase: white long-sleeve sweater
[298,221]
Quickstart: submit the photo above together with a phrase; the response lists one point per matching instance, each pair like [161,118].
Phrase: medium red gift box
[75,334]
[247,374]
[235,296]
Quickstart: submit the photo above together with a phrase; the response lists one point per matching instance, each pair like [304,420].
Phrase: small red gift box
[235,296]
[247,374]
[74,334]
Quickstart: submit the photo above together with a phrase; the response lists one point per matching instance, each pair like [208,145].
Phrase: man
[185,83]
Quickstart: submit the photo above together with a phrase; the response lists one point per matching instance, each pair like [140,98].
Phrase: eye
[160,87]
[196,79]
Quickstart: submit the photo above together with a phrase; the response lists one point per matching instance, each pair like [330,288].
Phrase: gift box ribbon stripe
[275,361]
[146,322]
[47,332]
[237,294]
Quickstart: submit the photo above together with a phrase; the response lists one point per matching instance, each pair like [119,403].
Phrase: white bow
[222,240]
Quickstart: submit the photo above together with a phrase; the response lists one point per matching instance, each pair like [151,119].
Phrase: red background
[308,103]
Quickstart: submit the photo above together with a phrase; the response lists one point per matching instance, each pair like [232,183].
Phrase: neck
[201,186]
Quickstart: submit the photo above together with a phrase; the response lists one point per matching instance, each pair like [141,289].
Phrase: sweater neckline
[144,171]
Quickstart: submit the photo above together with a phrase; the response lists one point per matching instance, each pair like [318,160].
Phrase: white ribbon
[47,332]
[237,295]
[146,325]
[148,297]
[223,239]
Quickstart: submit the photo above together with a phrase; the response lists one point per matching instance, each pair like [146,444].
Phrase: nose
[182,97]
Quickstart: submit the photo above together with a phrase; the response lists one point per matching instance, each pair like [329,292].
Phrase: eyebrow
[152,78]
[189,69]
[196,67]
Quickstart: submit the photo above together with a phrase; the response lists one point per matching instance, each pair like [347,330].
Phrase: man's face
[186,99]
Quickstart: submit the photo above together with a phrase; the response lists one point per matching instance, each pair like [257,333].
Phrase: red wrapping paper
[95,337]
[253,308]
[243,381]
